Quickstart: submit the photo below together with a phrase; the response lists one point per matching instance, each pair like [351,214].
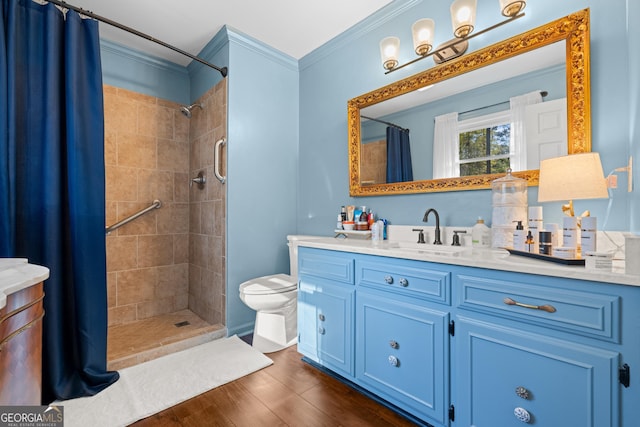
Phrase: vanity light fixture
[572,177]
[463,16]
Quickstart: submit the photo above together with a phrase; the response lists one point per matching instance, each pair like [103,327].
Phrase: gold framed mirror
[572,29]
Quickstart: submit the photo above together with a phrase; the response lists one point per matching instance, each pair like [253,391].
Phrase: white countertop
[495,259]
[17,274]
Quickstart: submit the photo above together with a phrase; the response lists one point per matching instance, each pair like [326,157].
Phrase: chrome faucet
[426,219]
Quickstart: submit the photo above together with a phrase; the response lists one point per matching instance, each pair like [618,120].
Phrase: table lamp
[572,177]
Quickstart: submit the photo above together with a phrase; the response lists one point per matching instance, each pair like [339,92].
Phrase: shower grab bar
[157,204]
[217,159]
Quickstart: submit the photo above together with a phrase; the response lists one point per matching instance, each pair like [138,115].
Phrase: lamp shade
[389,49]
[422,31]
[463,17]
[572,177]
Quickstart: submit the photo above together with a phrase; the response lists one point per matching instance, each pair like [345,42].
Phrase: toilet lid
[274,284]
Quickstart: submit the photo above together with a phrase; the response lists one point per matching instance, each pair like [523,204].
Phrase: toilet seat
[266,285]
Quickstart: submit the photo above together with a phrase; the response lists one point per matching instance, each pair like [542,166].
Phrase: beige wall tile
[173,218]
[137,151]
[155,307]
[121,183]
[181,248]
[173,280]
[122,253]
[136,286]
[194,217]
[121,314]
[155,251]
[173,156]
[181,187]
[111,289]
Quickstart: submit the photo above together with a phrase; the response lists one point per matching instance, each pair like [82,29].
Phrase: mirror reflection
[482,116]
[461,124]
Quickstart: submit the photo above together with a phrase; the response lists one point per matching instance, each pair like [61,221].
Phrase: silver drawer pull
[321,317]
[393,361]
[404,282]
[321,331]
[388,279]
[522,415]
[522,393]
[547,308]
[393,344]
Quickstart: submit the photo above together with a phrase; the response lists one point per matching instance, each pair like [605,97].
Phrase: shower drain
[181,324]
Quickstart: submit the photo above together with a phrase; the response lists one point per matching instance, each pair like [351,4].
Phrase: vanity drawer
[585,313]
[334,266]
[405,277]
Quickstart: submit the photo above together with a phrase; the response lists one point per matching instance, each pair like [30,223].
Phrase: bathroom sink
[442,250]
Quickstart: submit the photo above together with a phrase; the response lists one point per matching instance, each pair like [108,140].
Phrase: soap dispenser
[480,234]
[519,237]
[530,244]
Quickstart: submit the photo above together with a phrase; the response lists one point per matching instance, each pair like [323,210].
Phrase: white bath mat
[153,386]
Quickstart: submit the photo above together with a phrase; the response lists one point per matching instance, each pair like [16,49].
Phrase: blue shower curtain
[52,189]
[399,168]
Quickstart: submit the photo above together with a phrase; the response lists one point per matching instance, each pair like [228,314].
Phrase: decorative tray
[366,234]
[565,261]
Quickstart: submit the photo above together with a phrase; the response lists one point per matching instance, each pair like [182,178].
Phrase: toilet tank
[293,256]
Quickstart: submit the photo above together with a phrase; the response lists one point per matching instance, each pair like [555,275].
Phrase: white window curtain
[446,155]
[518,143]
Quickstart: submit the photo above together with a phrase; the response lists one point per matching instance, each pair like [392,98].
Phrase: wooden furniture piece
[21,316]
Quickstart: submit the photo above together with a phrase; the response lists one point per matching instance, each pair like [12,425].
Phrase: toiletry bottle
[519,237]
[382,227]
[370,219]
[570,237]
[530,244]
[339,223]
[544,239]
[343,213]
[480,234]
[588,232]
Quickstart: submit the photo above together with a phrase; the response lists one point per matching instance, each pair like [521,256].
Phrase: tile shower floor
[143,340]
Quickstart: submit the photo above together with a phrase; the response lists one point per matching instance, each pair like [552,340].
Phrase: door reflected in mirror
[513,103]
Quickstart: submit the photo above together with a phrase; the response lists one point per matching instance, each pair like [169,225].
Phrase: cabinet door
[402,354]
[325,328]
[501,371]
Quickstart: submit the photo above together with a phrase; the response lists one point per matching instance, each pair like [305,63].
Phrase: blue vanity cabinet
[402,339]
[537,350]
[326,297]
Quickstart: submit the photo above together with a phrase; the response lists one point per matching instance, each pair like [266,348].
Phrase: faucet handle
[420,234]
[456,237]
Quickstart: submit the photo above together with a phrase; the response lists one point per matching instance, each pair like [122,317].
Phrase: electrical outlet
[612,181]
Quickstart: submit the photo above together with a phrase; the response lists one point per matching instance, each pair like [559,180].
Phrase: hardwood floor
[288,393]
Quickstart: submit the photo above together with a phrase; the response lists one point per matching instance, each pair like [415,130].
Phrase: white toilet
[274,298]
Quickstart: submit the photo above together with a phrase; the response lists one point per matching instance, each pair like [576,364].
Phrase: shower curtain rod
[65,5]
[386,123]
[543,93]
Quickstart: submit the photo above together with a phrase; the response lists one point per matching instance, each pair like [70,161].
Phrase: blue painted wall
[136,71]
[350,66]
[262,167]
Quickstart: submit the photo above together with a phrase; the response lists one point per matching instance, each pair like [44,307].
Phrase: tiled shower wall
[207,209]
[147,158]
[374,162]
[171,258]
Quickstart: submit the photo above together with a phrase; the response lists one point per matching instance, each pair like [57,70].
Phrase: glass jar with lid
[509,198]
